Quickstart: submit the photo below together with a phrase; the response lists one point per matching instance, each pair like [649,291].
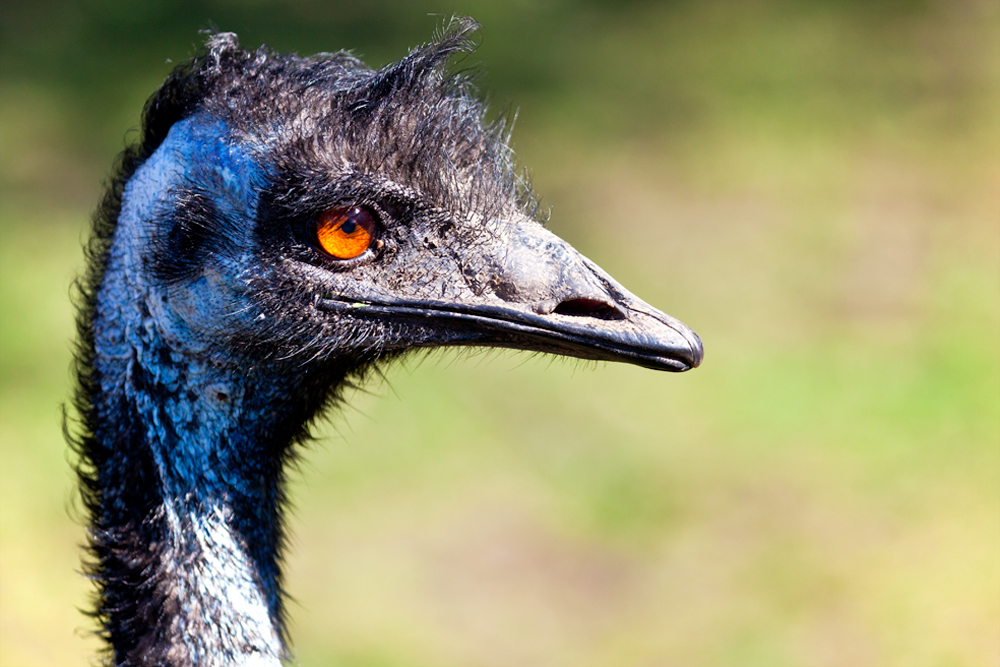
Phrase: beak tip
[697,349]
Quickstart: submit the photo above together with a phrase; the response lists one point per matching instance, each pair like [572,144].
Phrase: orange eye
[345,233]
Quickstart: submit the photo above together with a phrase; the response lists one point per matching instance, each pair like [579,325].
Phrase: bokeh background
[813,185]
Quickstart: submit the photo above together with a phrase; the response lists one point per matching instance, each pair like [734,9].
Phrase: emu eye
[346,233]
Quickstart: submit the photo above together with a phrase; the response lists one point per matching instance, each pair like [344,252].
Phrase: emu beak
[565,303]
[536,292]
[618,326]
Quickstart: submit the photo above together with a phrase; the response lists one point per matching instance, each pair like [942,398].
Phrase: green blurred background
[813,186]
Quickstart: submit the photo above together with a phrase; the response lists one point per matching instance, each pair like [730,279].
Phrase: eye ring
[347,232]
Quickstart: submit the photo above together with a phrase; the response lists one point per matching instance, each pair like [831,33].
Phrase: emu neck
[189,530]
[188,452]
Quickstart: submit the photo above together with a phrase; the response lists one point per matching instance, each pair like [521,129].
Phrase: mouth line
[564,337]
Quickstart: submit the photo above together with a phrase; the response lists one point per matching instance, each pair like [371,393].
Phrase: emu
[281,227]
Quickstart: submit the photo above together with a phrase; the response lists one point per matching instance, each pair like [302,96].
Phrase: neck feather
[187,453]
[188,533]
[182,459]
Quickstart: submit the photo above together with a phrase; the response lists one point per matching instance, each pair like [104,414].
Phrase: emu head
[283,224]
[313,215]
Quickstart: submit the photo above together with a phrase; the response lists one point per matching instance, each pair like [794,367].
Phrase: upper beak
[619,326]
[538,293]
[569,303]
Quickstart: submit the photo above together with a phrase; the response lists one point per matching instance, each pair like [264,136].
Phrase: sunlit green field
[814,187]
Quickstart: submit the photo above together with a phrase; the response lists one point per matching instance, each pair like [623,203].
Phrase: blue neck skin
[190,530]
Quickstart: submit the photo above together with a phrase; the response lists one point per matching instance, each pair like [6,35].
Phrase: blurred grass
[811,185]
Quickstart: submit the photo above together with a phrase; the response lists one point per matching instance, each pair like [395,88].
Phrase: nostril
[584,307]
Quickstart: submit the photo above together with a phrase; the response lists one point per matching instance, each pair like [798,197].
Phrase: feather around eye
[346,233]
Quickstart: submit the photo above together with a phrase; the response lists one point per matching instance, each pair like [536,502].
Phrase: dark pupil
[349,226]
